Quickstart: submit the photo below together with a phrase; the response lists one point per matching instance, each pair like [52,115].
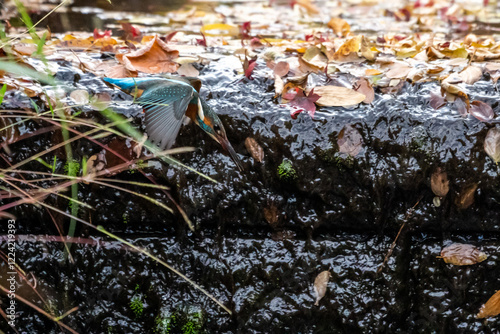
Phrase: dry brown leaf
[155,57]
[491,308]
[272,215]
[398,70]
[482,111]
[25,49]
[339,26]
[366,50]
[466,196]
[80,96]
[95,163]
[364,87]
[188,70]
[307,66]
[492,144]
[471,74]
[350,141]
[120,71]
[308,6]
[281,68]
[279,85]
[320,285]
[440,184]
[255,149]
[350,46]
[450,85]
[336,96]
[462,254]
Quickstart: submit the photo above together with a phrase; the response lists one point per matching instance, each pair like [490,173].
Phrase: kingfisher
[167,101]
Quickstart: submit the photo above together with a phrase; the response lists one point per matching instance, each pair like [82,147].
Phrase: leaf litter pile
[319,55]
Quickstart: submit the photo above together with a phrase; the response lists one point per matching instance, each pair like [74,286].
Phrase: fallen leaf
[491,308]
[98,34]
[320,285]
[336,96]
[80,96]
[220,29]
[100,101]
[398,70]
[471,74]
[282,68]
[311,66]
[248,66]
[305,102]
[155,57]
[462,254]
[95,163]
[308,6]
[350,46]
[372,71]
[492,144]
[279,85]
[366,50]
[202,41]
[272,215]
[350,141]
[130,32]
[462,107]
[364,87]
[188,70]
[120,71]
[481,111]
[255,149]
[339,26]
[437,100]
[466,196]
[440,184]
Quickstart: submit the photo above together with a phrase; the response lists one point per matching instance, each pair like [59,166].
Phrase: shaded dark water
[339,214]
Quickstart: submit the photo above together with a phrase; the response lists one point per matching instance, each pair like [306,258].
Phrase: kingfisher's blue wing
[165,106]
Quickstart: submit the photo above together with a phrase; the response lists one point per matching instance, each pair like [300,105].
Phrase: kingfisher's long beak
[227,146]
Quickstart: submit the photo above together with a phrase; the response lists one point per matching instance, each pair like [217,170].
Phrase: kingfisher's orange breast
[191,111]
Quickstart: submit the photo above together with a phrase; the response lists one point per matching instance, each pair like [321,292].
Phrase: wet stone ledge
[266,283]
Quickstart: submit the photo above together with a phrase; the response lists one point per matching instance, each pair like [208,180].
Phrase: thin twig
[393,245]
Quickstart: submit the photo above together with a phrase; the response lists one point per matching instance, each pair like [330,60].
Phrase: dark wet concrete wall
[339,214]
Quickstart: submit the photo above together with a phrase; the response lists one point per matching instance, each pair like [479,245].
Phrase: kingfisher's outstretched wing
[165,106]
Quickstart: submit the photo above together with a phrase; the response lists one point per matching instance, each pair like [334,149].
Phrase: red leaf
[245,30]
[169,36]
[305,102]
[131,32]
[202,41]
[437,101]
[251,66]
[98,34]
[256,43]
[461,107]
[481,111]
[290,95]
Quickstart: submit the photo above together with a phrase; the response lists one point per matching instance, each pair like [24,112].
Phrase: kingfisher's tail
[130,83]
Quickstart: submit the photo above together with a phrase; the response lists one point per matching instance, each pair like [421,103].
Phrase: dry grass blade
[33,306]
[166,265]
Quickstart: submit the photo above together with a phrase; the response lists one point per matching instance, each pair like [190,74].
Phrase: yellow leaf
[372,71]
[339,26]
[220,29]
[351,45]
